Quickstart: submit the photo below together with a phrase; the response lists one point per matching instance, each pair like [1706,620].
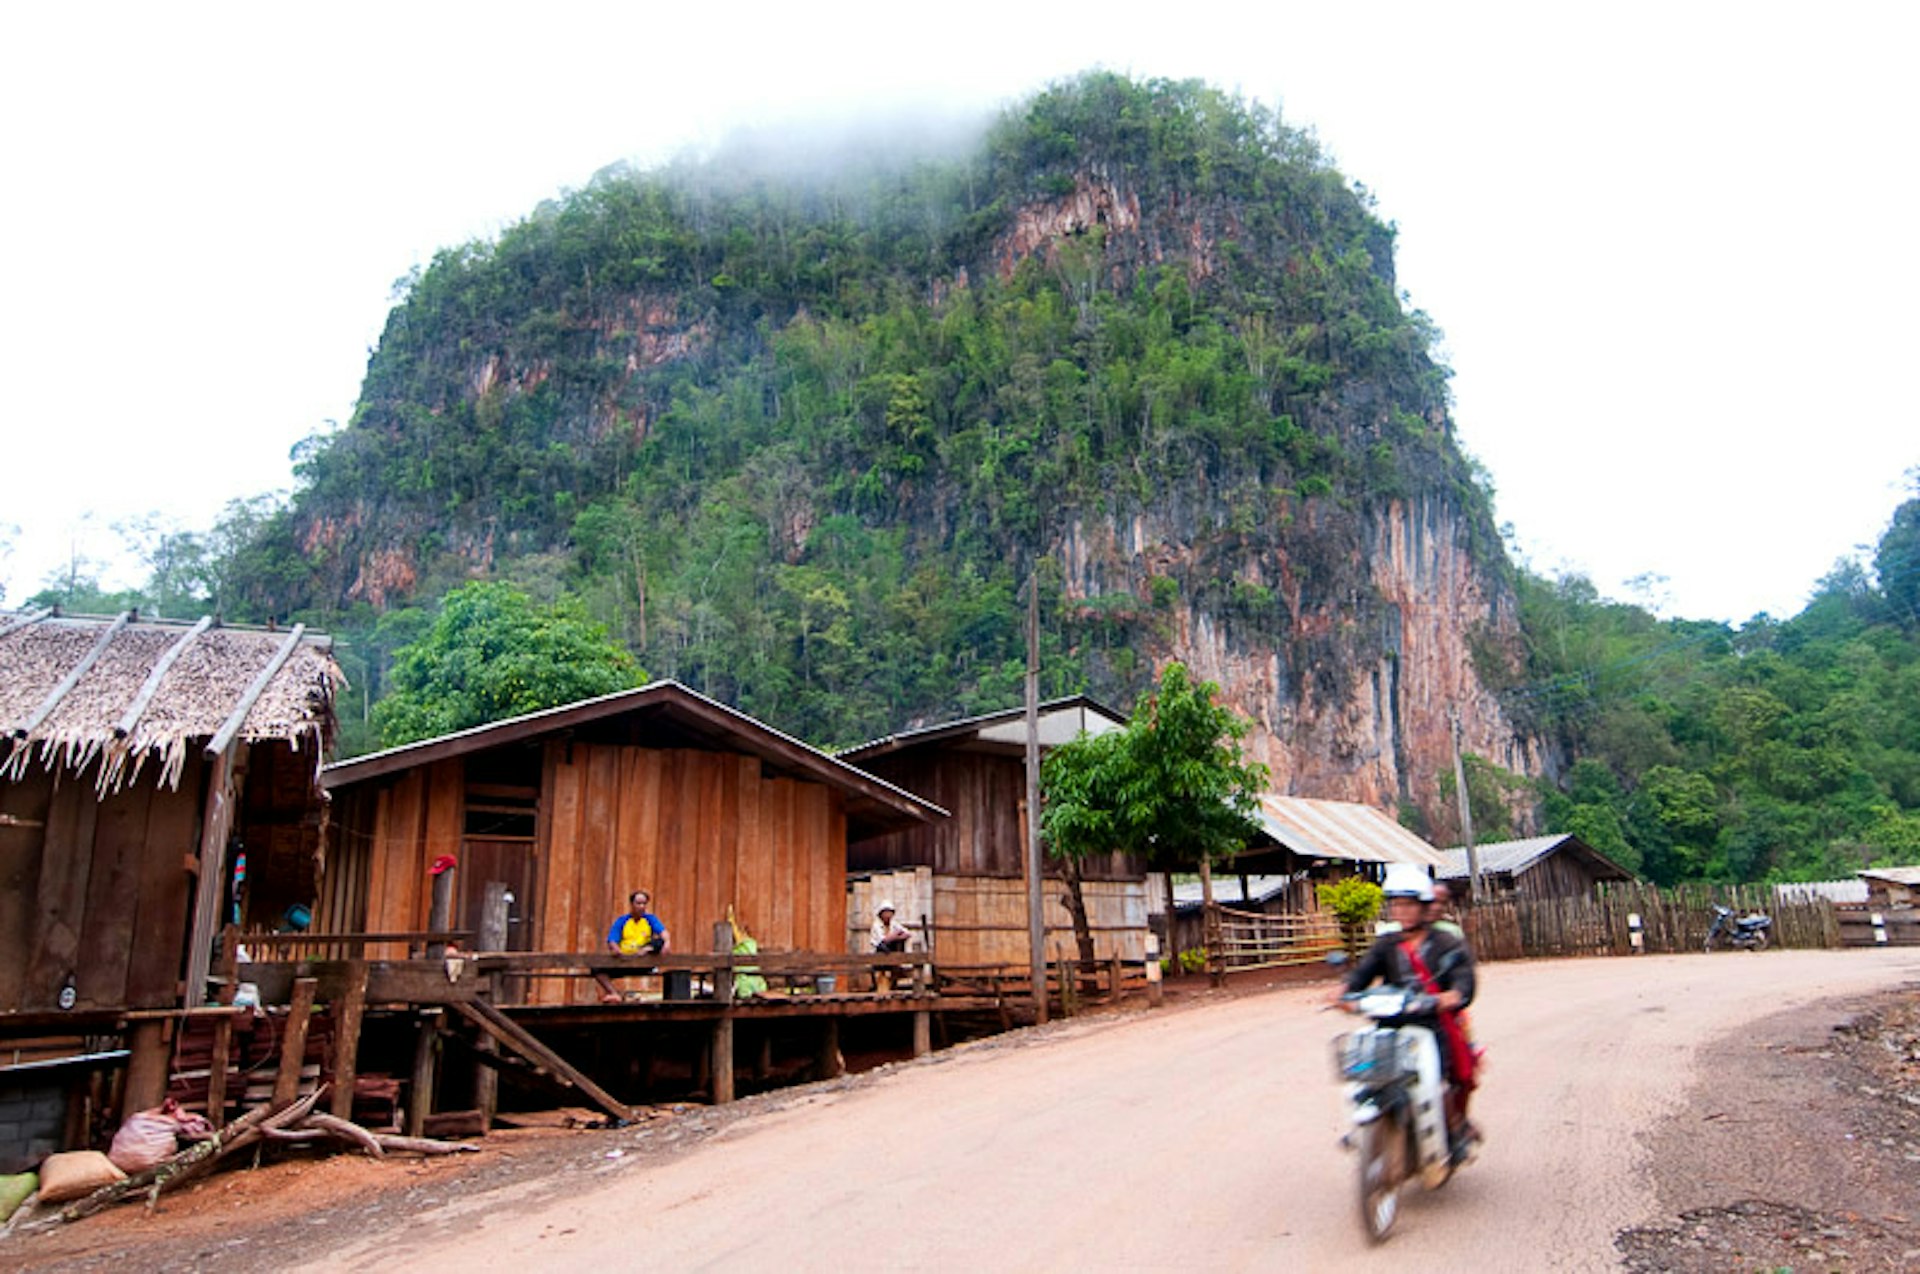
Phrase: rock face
[1354,698]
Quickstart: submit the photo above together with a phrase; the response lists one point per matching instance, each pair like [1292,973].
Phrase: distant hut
[1560,866]
[572,808]
[1892,887]
[963,877]
[140,759]
[1303,841]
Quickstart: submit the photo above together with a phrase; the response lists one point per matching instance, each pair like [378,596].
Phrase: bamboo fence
[1671,920]
[1254,940]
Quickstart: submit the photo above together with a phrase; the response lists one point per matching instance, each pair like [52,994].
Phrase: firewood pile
[274,1123]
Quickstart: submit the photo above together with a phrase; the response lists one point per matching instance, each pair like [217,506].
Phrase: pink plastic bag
[151,1136]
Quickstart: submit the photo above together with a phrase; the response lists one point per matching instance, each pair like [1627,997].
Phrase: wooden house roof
[126,690]
[1510,858]
[667,714]
[1061,720]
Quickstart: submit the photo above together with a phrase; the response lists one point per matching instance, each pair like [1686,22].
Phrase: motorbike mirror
[1337,959]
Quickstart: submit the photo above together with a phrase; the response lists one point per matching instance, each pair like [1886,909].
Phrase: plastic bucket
[823,984]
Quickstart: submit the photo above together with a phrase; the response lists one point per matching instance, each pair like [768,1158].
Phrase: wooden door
[510,861]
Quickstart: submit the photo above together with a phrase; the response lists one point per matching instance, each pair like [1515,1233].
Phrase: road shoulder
[1798,1147]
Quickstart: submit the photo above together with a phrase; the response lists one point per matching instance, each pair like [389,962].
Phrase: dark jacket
[1447,959]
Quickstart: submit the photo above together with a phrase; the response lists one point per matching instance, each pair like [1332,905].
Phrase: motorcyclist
[1439,963]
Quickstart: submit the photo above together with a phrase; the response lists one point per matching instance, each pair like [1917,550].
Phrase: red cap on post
[444,863]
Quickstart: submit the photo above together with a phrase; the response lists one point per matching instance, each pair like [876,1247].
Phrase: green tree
[1173,786]
[494,653]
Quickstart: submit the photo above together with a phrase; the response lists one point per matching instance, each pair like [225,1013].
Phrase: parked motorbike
[1751,932]
[1397,1100]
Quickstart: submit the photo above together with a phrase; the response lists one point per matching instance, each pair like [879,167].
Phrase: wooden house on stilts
[571,809]
[141,761]
[959,881]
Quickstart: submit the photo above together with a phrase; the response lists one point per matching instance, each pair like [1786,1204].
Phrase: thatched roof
[212,671]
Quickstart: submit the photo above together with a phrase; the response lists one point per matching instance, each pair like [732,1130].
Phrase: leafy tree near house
[1173,786]
[493,653]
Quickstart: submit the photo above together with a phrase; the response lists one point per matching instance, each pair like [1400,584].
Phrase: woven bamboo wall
[983,919]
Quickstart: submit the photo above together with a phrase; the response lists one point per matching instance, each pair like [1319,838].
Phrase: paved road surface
[1202,1138]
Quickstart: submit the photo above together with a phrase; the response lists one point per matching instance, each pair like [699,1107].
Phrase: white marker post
[1153,967]
[1879,928]
[1635,937]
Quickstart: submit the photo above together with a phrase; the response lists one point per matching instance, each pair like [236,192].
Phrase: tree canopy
[493,653]
[1173,785]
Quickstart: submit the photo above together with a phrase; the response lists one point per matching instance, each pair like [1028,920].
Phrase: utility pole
[1466,810]
[1036,920]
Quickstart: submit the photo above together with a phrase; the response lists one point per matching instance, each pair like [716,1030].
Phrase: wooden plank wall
[701,831]
[986,795]
[419,818]
[341,903]
[100,890]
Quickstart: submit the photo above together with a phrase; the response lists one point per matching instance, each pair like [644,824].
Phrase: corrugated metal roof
[1507,857]
[1341,829]
[1226,890]
[1893,875]
[1511,857]
[1060,721]
[1830,890]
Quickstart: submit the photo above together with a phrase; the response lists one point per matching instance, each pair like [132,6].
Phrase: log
[347,1130]
[170,1172]
[423,1145]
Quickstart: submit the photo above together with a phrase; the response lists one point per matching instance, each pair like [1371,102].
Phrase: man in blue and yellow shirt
[636,931]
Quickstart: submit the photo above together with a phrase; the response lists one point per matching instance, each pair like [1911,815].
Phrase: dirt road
[1198,1138]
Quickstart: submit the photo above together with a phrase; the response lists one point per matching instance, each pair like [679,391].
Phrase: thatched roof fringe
[124,708]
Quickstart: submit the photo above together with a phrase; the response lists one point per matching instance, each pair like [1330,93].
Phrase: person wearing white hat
[1439,963]
[888,937]
[888,934]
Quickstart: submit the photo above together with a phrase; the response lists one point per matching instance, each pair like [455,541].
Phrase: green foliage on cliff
[1780,750]
[798,443]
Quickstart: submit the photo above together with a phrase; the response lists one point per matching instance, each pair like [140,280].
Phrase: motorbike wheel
[1760,941]
[1383,1151]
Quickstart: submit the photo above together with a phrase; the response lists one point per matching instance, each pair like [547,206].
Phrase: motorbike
[1751,932]
[1397,1101]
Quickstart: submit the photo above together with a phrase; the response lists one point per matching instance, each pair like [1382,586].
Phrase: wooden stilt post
[486,1079]
[922,1033]
[146,1066]
[223,1028]
[346,1041]
[426,1059]
[722,1048]
[293,1042]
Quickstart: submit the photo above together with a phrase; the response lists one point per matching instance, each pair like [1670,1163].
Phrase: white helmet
[884,906]
[1408,880]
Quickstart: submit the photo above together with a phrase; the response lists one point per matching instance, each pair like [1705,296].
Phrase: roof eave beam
[219,743]
[154,678]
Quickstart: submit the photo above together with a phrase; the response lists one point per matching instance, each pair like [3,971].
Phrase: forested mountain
[800,442]
[799,437]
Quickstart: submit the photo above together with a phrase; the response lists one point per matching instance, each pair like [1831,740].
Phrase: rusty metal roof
[1341,829]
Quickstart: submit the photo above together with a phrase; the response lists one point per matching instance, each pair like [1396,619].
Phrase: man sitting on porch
[635,931]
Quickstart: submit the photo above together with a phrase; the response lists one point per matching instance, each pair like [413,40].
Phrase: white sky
[1671,245]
